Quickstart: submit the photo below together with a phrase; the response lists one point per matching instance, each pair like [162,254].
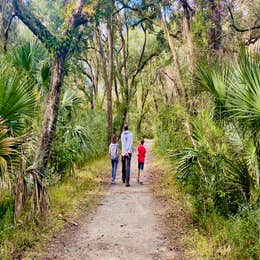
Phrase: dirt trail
[125,225]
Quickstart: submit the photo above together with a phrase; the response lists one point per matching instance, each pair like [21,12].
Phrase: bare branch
[140,68]
[144,46]
[240,29]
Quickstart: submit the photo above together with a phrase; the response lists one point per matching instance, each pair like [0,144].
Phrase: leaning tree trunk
[48,131]
[180,81]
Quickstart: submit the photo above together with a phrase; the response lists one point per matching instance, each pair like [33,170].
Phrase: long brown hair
[113,139]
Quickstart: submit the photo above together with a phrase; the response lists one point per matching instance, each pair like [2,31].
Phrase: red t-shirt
[141,153]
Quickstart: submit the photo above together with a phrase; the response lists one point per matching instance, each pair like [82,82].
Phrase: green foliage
[169,129]
[6,211]
[8,151]
[75,143]
[219,169]
[16,99]
[27,56]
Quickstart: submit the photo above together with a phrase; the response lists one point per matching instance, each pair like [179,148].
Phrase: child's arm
[109,150]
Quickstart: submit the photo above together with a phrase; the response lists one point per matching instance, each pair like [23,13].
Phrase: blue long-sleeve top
[127,142]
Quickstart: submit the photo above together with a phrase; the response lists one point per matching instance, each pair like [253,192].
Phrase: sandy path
[124,226]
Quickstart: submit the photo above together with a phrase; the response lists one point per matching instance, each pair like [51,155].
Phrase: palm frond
[244,93]
[16,99]
[8,149]
[214,80]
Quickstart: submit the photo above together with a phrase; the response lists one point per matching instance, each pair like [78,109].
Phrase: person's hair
[126,127]
[113,139]
[142,141]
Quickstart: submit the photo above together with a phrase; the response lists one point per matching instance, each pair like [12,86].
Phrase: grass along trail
[125,225]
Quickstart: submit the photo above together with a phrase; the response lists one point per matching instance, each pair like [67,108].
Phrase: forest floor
[127,223]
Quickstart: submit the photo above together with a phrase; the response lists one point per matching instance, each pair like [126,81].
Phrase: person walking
[113,153]
[127,143]
[141,157]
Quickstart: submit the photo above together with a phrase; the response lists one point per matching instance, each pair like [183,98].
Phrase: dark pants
[126,162]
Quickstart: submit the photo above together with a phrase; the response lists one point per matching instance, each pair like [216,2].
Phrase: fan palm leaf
[8,149]
[16,98]
[213,80]
[244,93]
[27,56]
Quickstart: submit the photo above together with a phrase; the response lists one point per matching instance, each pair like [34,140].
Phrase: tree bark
[187,37]
[111,74]
[142,113]
[50,114]
[179,75]
[215,32]
[107,79]
[125,78]
[5,24]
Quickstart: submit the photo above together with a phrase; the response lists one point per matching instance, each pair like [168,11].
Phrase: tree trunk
[187,37]
[19,192]
[142,113]
[50,114]
[108,89]
[111,75]
[48,131]
[5,23]
[125,78]
[215,32]
[180,80]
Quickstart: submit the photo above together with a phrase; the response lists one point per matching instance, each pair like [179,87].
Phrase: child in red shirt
[141,158]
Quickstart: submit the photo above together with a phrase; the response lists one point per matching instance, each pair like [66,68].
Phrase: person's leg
[141,172]
[128,164]
[115,169]
[112,170]
[138,176]
[123,168]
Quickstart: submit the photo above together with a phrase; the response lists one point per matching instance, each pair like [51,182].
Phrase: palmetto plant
[27,56]
[8,150]
[244,94]
[16,99]
[229,176]
[227,142]
[236,92]
[72,143]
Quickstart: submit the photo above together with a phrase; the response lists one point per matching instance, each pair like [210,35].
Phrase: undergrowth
[67,200]
[225,218]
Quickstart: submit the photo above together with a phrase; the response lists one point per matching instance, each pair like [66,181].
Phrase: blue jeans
[114,168]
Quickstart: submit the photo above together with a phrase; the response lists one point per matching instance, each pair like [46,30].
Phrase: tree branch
[140,68]
[140,12]
[34,24]
[77,18]
[240,29]
[144,46]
